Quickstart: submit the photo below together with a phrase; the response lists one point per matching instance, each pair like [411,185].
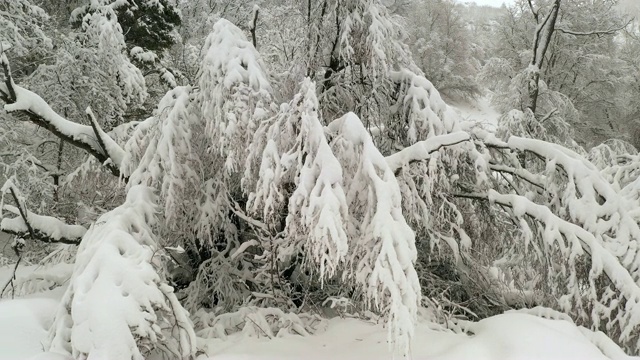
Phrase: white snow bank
[24,323]
[513,336]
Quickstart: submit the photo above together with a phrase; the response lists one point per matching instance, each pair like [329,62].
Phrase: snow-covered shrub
[159,152]
[421,112]
[383,252]
[618,162]
[235,94]
[298,171]
[117,306]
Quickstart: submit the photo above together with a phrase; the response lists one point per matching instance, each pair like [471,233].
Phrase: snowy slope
[480,112]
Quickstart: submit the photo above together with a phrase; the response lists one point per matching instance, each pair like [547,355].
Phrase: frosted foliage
[618,162]
[117,306]
[93,5]
[370,19]
[383,245]
[102,31]
[159,152]
[421,108]
[552,127]
[587,198]
[234,91]
[21,24]
[584,213]
[618,304]
[297,156]
[317,207]
[610,151]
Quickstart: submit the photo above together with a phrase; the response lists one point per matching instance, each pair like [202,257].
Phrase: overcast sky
[629,6]
[496,3]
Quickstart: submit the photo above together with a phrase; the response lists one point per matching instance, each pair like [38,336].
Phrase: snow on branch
[159,152]
[318,207]
[590,200]
[38,227]
[611,31]
[422,150]
[573,242]
[117,306]
[421,108]
[383,251]
[109,147]
[234,92]
[297,170]
[23,101]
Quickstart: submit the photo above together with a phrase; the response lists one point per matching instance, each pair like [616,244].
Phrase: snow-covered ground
[24,322]
[507,336]
[480,111]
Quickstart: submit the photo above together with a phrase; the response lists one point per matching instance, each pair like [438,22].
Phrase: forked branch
[24,102]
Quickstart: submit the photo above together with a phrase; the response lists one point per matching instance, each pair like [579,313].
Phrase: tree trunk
[541,40]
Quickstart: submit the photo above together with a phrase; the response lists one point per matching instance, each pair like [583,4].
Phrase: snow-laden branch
[44,228]
[422,110]
[422,150]
[159,152]
[38,227]
[573,241]
[319,205]
[291,149]
[36,109]
[109,147]
[533,179]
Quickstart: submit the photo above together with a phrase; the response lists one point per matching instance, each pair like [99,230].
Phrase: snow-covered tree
[442,46]
[363,188]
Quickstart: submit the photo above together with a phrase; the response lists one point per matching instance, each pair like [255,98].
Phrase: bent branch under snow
[21,100]
[44,228]
[29,225]
[602,261]
[422,150]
